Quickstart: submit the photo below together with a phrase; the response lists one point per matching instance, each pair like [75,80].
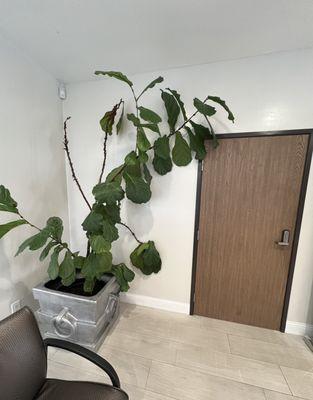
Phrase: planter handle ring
[61,321]
[112,305]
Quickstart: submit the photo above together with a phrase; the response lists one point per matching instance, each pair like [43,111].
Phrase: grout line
[291,392]
[264,393]
[198,371]
[203,371]
[228,341]
[148,374]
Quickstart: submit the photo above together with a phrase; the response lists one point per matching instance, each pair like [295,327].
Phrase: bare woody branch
[67,150]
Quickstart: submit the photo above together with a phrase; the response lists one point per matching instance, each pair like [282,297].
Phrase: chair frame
[87,354]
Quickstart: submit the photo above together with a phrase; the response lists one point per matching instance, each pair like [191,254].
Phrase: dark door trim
[299,212]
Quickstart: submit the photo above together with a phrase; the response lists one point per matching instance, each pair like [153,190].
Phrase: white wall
[265,93]
[31,166]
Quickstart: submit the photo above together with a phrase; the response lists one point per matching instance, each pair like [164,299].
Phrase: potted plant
[84,288]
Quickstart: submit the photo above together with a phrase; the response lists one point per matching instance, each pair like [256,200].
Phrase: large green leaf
[5,228]
[149,115]
[116,75]
[151,258]
[8,209]
[34,242]
[131,158]
[107,121]
[7,203]
[115,175]
[113,213]
[104,263]
[46,250]
[143,157]
[146,258]
[89,285]
[172,109]
[96,265]
[120,120]
[137,190]
[152,127]
[224,105]
[53,270]
[179,101]
[55,227]
[132,117]
[93,223]
[67,270]
[79,261]
[162,165]
[133,169]
[109,231]
[203,108]
[151,85]
[146,174]
[99,244]
[108,192]
[202,131]
[162,147]
[123,275]
[181,152]
[196,144]
[143,143]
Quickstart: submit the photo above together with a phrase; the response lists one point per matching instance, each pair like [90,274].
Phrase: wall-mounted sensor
[62,91]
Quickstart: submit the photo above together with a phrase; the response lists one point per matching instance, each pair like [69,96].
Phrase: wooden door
[250,194]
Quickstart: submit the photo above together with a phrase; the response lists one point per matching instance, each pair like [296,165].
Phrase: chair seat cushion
[55,389]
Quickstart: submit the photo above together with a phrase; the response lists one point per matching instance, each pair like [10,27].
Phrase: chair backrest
[23,359]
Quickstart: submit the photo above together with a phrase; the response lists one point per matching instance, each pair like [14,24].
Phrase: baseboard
[154,302]
[299,328]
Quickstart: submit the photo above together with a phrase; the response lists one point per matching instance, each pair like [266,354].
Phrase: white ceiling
[72,38]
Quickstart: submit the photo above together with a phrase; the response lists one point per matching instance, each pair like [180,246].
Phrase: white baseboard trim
[154,302]
[299,328]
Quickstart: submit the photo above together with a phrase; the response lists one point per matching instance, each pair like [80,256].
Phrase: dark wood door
[250,194]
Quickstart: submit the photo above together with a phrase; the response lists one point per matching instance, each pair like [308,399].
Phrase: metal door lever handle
[285,238]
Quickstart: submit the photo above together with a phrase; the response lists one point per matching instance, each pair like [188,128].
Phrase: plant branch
[64,245]
[104,156]
[171,134]
[131,231]
[136,100]
[67,150]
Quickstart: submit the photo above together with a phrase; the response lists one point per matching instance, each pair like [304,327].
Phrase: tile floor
[167,356]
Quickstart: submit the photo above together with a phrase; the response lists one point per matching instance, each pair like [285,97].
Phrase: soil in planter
[75,288]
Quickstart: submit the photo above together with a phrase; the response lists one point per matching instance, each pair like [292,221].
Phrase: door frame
[301,202]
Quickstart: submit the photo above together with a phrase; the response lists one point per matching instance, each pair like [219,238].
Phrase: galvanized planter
[79,319]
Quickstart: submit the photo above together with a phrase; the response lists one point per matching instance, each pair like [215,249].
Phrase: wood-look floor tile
[148,346]
[300,382]
[130,368]
[59,370]
[185,384]
[186,332]
[136,393]
[253,332]
[237,368]
[279,396]
[294,357]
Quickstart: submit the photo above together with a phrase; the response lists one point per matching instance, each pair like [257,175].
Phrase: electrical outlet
[16,305]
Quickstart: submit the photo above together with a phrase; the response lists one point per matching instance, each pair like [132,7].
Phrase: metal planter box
[80,319]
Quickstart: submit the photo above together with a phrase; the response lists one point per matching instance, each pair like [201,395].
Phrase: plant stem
[104,156]
[136,100]
[131,231]
[171,134]
[53,238]
[67,150]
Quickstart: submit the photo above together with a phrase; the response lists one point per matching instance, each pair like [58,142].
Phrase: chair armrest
[89,355]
